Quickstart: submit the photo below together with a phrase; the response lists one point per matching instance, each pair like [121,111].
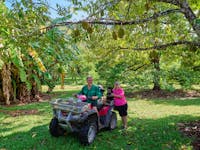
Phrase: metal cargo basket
[69,105]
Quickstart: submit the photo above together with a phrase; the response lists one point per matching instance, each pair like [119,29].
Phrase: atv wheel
[113,121]
[88,133]
[55,129]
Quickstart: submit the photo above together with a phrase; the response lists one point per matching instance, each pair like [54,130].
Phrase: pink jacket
[119,101]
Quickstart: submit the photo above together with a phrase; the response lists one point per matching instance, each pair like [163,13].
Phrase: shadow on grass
[179,102]
[142,134]
[160,133]
[38,138]
[2,116]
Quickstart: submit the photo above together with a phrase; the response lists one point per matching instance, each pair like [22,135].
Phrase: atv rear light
[64,113]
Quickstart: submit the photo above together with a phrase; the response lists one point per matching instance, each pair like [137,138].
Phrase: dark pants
[122,110]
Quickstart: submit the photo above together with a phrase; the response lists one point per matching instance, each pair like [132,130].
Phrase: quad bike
[73,115]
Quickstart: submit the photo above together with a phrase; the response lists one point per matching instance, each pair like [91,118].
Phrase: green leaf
[28,85]
[1,63]
[37,80]
[15,59]
[197,22]
[34,44]
[22,75]
[48,76]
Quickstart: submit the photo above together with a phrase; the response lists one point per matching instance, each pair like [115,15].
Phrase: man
[91,92]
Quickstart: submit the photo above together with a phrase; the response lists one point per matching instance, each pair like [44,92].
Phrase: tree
[16,75]
[30,56]
[148,16]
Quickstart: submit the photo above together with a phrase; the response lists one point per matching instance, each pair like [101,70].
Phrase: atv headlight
[84,108]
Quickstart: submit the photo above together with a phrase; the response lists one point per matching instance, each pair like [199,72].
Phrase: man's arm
[98,93]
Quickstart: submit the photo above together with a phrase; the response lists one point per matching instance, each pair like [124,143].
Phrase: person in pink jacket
[120,103]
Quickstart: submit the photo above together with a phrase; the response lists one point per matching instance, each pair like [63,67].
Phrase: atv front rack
[70,105]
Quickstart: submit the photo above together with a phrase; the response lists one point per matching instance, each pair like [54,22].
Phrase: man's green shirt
[93,91]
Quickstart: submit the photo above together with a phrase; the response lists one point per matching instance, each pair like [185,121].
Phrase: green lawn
[152,125]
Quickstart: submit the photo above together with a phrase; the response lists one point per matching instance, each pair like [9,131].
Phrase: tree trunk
[6,83]
[2,101]
[34,92]
[62,75]
[11,92]
[23,93]
[156,80]
[155,60]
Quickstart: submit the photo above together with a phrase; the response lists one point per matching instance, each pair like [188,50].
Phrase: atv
[74,115]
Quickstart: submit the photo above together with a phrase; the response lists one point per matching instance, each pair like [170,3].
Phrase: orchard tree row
[140,43]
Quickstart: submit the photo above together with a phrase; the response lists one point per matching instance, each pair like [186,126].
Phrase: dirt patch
[192,130]
[45,96]
[42,97]
[152,94]
[16,113]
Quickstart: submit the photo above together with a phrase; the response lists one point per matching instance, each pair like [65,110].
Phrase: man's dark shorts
[93,103]
[122,110]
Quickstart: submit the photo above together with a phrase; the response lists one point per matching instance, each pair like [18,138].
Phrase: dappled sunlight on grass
[152,124]
[159,133]
[151,109]
[66,88]
[22,123]
[179,102]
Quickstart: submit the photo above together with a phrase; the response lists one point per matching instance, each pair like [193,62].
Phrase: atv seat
[103,111]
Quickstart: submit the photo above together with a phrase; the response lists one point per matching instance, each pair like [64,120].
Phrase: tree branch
[174,2]
[130,68]
[105,21]
[187,11]
[164,46]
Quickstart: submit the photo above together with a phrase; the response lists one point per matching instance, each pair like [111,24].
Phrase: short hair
[88,77]
[117,83]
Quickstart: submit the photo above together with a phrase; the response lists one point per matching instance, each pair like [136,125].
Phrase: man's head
[89,80]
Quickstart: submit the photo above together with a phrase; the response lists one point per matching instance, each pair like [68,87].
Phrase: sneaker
[123,128]
[101,126]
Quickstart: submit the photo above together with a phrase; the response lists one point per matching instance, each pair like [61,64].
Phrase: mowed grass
[152,125]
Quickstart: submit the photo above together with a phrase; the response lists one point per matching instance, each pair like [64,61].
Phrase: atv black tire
[113,121]
[88,133]
[55,129]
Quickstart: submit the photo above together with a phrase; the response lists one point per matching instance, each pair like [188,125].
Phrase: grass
[152,125]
